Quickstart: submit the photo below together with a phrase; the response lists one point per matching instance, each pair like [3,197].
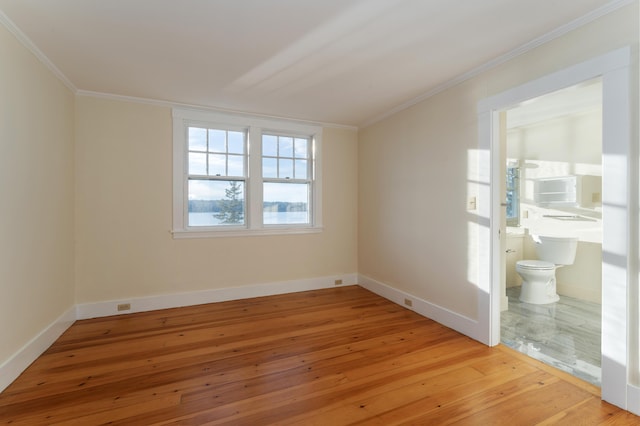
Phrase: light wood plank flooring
[328,357]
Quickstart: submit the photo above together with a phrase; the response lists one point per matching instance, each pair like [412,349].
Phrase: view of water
[270,218]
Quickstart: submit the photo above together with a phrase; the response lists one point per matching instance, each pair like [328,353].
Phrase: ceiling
[345,62]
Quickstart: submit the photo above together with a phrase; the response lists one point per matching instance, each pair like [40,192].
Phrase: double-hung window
[244,175]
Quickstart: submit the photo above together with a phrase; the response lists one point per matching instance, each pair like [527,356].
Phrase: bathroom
[554,181]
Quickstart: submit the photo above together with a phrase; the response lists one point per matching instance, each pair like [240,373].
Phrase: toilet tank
[558,250]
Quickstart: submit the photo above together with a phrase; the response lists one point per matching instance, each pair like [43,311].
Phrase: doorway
[553,175]
[619,175]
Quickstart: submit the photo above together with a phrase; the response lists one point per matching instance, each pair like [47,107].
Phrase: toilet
[539,276]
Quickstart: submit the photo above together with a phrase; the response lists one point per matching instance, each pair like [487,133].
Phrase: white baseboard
[581,293]
[504,303]
[633,399]
[14,366]
[460,323]
[176,300]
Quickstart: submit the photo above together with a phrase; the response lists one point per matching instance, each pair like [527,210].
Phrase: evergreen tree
[232,206]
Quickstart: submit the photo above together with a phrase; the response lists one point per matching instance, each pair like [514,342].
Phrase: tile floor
[565,334]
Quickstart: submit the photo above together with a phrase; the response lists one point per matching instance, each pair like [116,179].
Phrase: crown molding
[170,104]
[27,43]
[537,42]
[552,35]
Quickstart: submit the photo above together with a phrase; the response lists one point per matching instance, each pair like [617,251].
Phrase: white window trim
[183,117]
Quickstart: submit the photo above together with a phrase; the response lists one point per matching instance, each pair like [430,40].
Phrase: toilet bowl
[539,276]
[538,281]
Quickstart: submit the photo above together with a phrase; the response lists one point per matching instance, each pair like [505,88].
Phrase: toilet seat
[536,265]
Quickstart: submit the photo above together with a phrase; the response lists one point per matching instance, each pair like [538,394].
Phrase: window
[243,175]
[513,196]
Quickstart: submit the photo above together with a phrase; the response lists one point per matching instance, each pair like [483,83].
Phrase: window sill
[224,233]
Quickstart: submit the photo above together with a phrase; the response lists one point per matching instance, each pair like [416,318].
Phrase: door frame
[619,200]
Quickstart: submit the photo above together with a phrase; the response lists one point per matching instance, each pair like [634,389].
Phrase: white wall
[36,183]
[124,207]
[420,167]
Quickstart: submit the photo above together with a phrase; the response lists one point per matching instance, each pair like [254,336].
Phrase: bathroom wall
[563,145]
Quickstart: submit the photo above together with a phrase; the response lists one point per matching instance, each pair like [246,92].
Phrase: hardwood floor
[327,357]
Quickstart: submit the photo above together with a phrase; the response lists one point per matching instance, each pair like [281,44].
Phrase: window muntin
[285,157]
[204,167]
[217,173]
[216,152]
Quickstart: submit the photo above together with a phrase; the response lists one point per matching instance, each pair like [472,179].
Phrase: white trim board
[15,365]
[31,47]
[460,323]
[177,300]
[633,397]
[545,38]
[518,51]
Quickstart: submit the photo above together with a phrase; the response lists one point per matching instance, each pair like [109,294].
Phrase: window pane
[285,203]
[301,169]
[197,139]
[286,169]
[269,146]
[270,167]
[236,142]
[197,164]
[513,196]
[217,165]
[286,147]
[216,203]
[217,140]
[236,165]
[301,148]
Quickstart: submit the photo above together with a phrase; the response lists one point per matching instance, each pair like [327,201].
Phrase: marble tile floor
[565,334]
